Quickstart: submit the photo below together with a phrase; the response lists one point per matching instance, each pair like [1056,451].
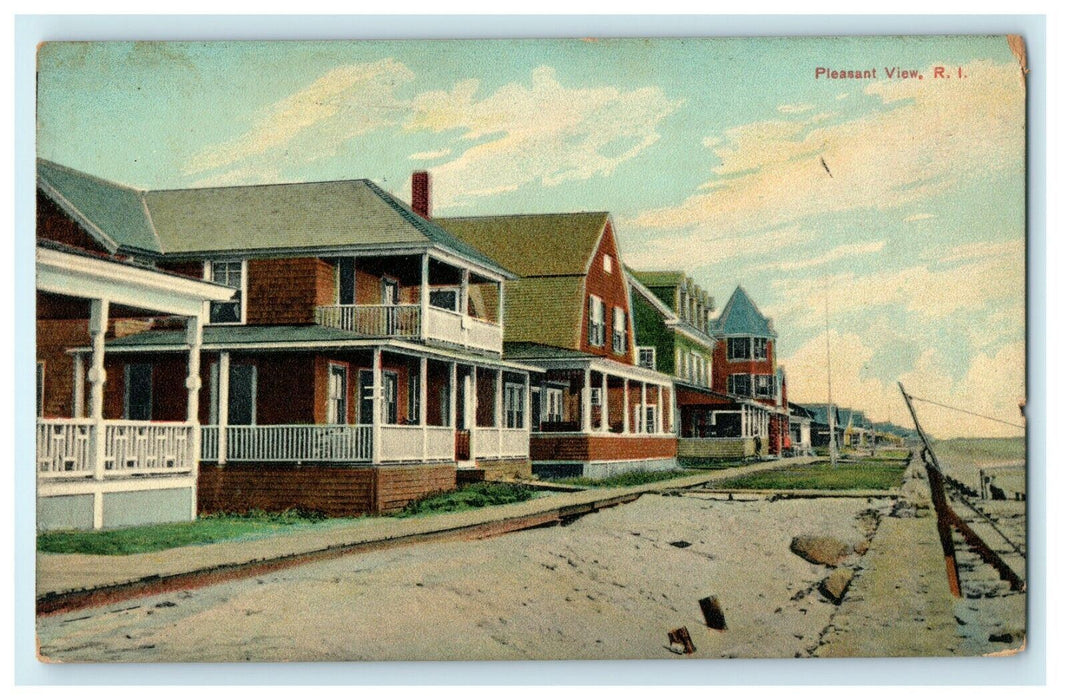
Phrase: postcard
[531,349]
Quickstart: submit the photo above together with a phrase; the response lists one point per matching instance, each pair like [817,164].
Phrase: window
[554,405]
[650,419]
[607,263]
[595,396]
[445,298]
[390,291]
[595,332]
[389,398]
[40,388]
[513,405]
[647,357]
[336,404]
[138,399]
[619,331]
[241,409]
[762,385]
[760,348]
[413,397]
[740,384]
[345,281]
[229,273]
[739,348]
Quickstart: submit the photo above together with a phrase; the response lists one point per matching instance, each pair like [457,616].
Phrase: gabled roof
[275,217]
[819,414]
[742,317]
[533,245]
[659,278]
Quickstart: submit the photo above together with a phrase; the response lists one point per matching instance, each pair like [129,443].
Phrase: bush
[485,493]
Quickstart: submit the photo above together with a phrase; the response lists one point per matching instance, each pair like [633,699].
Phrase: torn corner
[1019,50]
[1012,651]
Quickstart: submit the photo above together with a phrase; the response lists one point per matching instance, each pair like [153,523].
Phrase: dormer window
[229,273]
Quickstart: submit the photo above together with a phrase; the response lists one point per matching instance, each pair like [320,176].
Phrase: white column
[587,409]
[98,326]
[472,401]
[673,427]
[422,403]
[452,396]
[641,413]
[79,386]
[223,409]
[465,281]
[500,304]
[659,409]
[376,406]
[194,337]
[498,412]
[626,405]
[424,297]
[526,402]
[604,402]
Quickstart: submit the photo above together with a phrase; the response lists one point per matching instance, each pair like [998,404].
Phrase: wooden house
[355,364]
[598,409]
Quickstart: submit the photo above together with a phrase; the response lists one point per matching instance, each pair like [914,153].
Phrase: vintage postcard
[531,349]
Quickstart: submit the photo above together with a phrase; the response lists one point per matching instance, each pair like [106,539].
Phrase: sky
[889,210]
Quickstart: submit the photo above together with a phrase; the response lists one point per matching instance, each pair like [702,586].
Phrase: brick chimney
[421,193]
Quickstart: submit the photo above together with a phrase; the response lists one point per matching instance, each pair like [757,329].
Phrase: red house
[596,410]
[357,365]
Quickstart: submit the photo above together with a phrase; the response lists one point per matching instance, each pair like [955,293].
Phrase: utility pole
[831,413]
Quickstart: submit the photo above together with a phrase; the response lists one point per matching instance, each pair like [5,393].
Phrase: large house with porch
[354,363]
[597,409]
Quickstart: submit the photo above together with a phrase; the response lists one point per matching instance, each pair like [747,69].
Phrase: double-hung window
[554,405]
[647,357]
[229,273]
[762,385]
[760,348]
[596,329]
[619,331]
[739,348]
[513,405]
[740,384]
[337,390]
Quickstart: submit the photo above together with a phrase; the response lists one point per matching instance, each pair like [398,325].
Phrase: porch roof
[550,357]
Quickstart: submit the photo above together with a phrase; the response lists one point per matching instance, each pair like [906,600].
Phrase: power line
[971,413]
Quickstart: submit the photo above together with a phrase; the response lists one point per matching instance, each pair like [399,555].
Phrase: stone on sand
[819,549]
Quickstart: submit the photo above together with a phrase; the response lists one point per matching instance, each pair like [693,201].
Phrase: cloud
[918,217]
[843,251]
[923,137]
[542,133]
[993,385]
[796,108]
[430,155]
[343,103]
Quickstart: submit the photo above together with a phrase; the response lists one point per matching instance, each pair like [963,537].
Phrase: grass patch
[154,538]
[627,478]
[485,493]
[847,476]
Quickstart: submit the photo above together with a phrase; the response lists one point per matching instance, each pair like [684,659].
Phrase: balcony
[406,321]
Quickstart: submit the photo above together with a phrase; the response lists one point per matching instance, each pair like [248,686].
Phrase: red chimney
[421,193]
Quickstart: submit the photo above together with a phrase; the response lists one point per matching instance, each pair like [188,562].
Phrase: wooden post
[498,412]
[626,405]
[604,402]
[587,409]
[422,403]
[98,326]
[424,297]
[79,385]
[660,409]
[526,402]
[641,413]
[194,338]
[224,405]
[376,406]
[672,426]
[452,396]
[465,283]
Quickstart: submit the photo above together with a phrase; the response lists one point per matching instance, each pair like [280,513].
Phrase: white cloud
[918,217]
[430,155]
[543,133]
[799,262]
[927,136]
[993,385]
[796,108]
[345,102]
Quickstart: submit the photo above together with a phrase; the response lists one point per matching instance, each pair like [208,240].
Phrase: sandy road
[609,585]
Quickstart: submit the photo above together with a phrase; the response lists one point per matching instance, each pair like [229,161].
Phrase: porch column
[422,402]
[587,409]
[672,426]
[194,337]
[527,422]
[376,406]
[424,298]
[641,413]
[223,409]
[626,405]
[79,386]
[98,326]
[500,304]
[452,396]
[659,409]
[498,412]
[472,403]
[604,402]
[465,281]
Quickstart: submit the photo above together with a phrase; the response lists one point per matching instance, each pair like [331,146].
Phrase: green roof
[534,245]
[206,220]
[538,351]
[658,278]
[544,310]
[742,317]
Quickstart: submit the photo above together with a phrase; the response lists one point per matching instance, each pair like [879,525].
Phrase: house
[356,362]
[821,418]
[98,470]
[800,429]
[599,410]
[744,367]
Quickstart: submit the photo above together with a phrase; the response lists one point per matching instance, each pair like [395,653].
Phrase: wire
[971,413]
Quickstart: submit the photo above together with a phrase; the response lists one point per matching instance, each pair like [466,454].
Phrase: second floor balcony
[410,322]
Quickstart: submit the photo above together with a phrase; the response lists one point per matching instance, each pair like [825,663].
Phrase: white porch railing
[405,321]
[64,447]
[379,321]
[404,443]
[288,443]
[499,443]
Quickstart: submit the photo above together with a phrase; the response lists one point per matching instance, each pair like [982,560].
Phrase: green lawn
[153,538]
[627,478]
[863,475]
[478,495]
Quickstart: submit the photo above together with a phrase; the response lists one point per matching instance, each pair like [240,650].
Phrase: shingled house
[355,363]
[598,410]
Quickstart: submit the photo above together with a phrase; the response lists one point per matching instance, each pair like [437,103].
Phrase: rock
[681,544]
[713,613]
[819,549]
[834,586]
